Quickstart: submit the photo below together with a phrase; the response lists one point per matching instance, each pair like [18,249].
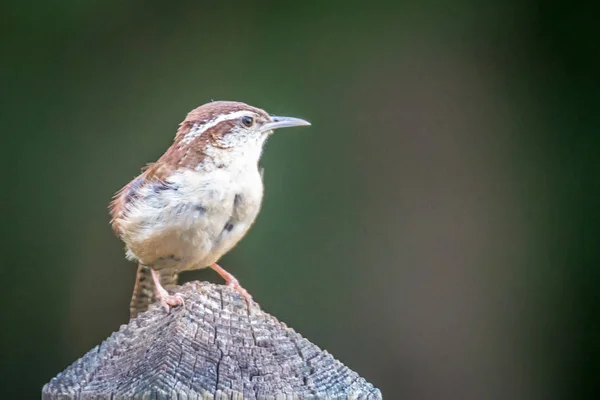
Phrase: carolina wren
[194,204]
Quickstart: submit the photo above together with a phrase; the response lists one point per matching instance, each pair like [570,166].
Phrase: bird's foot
[167,300]
[232,282]
[236,285]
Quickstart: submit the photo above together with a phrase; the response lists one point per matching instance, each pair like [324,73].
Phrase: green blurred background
[436,229]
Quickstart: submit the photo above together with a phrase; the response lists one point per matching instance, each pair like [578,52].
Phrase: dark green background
[436,229]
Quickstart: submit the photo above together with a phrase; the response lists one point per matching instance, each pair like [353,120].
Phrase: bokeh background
[436,229]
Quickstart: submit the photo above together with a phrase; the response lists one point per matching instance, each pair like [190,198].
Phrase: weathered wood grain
[215,347]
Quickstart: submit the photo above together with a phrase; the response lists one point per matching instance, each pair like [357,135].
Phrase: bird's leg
[231,281]
[165,298]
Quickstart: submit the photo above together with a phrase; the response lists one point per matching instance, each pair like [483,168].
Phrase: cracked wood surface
[215,347]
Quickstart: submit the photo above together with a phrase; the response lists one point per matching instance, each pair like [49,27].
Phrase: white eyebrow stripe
[198,130]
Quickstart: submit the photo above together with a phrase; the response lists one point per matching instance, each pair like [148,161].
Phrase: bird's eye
[247,121]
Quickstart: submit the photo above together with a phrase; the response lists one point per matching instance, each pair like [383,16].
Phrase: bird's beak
[283,122]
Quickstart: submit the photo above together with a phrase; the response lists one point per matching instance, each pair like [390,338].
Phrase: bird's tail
[144,292]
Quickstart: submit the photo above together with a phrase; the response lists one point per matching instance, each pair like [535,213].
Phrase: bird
[197,201]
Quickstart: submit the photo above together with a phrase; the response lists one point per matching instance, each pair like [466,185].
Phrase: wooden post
[214,347]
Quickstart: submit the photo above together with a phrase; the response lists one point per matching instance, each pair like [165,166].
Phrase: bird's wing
[154,174]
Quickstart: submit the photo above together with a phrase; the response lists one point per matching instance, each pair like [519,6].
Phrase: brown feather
[210,111]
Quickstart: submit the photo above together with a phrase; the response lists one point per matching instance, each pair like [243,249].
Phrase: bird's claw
[169,301]
[236,285]
[232,282]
